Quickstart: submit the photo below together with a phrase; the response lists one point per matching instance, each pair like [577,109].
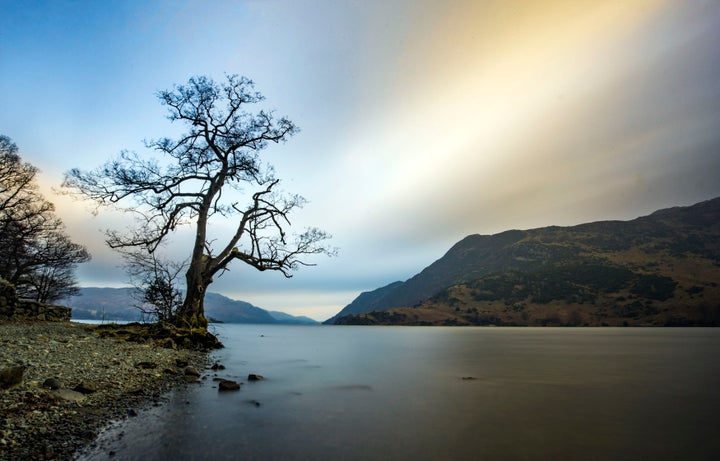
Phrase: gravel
[100,380]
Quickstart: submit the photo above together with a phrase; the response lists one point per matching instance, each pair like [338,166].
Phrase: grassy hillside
[662,269]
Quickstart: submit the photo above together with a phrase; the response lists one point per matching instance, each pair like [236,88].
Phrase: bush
[655,287]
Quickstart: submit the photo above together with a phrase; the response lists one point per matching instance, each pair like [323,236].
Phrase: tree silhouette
[212,171]
[35,254]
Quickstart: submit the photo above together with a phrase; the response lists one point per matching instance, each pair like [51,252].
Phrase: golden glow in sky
[487,88]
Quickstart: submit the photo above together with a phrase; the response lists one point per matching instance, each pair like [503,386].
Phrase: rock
[191,379]
[51,383]
[67,394]
[11,377]
[181,363]
[217,366]
[85,388]
[190,371]
[146,365]
[228,385]
[255,377]
[131,412]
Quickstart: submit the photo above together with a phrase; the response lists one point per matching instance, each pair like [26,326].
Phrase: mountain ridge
[98,303]
[626,269]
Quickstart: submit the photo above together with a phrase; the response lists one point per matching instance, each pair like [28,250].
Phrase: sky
[422,121]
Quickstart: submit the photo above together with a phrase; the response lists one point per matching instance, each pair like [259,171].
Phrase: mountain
[368,301]
[118,304]
[224,309]
[661,269]
[102,303]
[282,317]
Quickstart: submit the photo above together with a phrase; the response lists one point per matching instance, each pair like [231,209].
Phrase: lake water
[398,393]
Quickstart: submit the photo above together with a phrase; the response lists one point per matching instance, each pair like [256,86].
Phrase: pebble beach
[74,383]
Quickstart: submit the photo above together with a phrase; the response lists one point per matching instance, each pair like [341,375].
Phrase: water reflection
[399,393]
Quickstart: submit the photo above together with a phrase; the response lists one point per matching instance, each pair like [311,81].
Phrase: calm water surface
[398,393]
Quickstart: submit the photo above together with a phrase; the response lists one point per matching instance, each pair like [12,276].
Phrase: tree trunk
[190,325]
[192,312]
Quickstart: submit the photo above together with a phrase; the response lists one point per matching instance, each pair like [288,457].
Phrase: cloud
[422,121]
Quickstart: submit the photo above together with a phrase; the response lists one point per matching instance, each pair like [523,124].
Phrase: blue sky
[422,120]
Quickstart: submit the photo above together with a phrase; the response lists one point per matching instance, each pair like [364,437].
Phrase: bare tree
[155,279]
[200,176]
[35,254]
[52,277]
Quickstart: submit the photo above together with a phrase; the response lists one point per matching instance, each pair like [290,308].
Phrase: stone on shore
[11,377]
[69,395]
[192,371]
[52,384]
[85,388]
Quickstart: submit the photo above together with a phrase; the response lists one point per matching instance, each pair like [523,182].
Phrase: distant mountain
[102,303]
[219,307]
[661,269]
[282,317]
[118,304]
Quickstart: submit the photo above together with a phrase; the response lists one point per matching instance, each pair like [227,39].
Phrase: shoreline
[98,381]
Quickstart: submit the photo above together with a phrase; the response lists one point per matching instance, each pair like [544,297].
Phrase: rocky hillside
[661,269]
[118,304]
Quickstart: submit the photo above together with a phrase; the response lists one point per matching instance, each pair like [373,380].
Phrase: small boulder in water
[255,377]
[228,385]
